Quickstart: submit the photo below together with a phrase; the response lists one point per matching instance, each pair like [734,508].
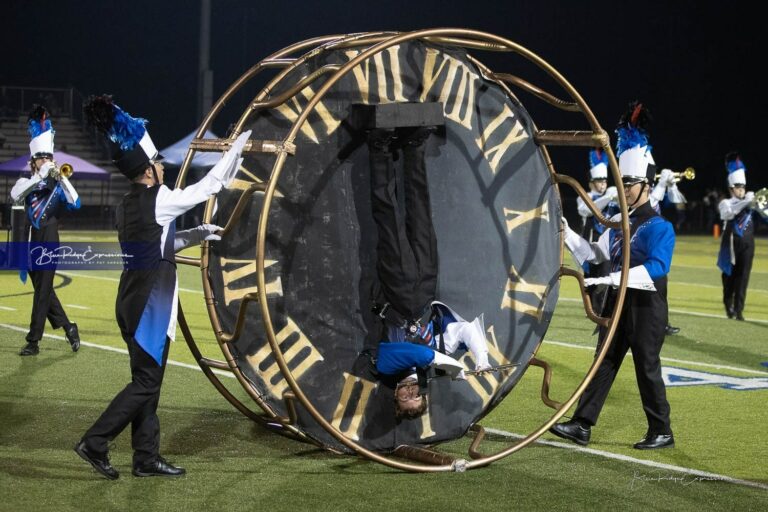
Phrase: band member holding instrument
[147,294]
[604,198]
[45,195]
[419,331]
[644,316]
[737,243]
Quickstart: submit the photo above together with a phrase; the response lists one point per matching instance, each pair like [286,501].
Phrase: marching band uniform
[644,315]
[45,198]
[147,294]
[737,243]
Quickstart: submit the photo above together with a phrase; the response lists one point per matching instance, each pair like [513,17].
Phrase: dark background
[694,64]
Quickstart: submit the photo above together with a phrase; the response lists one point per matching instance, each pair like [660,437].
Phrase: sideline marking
[592,451]
[6,308]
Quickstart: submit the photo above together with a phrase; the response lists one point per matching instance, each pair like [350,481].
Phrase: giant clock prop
[288,288]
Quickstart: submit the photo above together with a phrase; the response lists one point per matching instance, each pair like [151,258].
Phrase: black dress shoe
[158,468]
[30,349]
[731,313]
[73,337]
[654,441]
[99,462]
[573,431]
[669,331]
[739,316]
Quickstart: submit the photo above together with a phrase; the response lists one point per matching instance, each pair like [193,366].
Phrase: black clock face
[495,210]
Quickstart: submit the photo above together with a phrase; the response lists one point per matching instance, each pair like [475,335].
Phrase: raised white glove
[45,170]
[749,196]
[612,192]
[667,177]
[226,168]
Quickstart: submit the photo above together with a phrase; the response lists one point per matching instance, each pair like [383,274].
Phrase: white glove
[749,196]
[226,168]
[612,192]
[209,231]
[594,281]
[194,236]
[45,170]
[667,177]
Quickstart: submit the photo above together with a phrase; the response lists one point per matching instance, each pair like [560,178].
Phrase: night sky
[694,64]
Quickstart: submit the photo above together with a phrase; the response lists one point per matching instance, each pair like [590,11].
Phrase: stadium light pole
[205,74]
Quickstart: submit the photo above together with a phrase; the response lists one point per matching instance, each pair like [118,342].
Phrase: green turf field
[719,418]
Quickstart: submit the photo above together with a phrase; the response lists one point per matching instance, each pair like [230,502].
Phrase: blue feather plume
[733,162]
[630,137]
[126,131]
[597,156]
[38,121]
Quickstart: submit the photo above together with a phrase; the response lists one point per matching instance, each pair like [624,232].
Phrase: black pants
[735,285]
[45,303]
[641,329]
[136,405]
[407,246]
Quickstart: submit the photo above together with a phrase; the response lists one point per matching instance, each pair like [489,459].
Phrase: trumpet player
[737,243]
[45,195]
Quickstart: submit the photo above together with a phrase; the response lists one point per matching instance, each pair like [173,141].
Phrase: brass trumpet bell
[688,174]
[760,202]
[65,170]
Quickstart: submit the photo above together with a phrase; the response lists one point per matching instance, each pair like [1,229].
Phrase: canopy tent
[84,170]
[174,154]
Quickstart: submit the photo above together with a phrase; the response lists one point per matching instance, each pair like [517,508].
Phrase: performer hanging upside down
[147,294]
[45,198]
[419,331]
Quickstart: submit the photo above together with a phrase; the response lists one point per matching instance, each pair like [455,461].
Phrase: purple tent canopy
[83,170]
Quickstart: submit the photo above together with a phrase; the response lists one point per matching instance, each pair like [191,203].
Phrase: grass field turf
[46,402]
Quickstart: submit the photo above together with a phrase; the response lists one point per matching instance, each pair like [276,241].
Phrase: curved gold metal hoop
[380,42]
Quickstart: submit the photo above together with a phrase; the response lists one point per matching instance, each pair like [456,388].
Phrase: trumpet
[688,174]
[65,170]
[760,202]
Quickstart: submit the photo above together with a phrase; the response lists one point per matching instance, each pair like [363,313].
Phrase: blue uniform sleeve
[660,243]
[397,357]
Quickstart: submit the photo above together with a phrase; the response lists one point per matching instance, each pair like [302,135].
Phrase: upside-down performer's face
[409,403]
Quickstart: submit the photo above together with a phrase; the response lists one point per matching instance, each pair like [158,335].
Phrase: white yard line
[668,359]
[6,308]
[76,306]
[694,473]
[640,478]
[682,312]
[712,267]
[115,280]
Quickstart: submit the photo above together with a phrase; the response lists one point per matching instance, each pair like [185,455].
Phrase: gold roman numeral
[516,284]
[455,70]
[515,218]
[494,153]
[292,108]
[386,74]
[353,422]
[245,184]
[244,269]
[298,352]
